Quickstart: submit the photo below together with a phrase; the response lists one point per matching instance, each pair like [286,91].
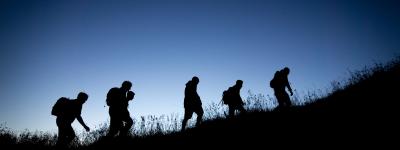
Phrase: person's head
[239,83]
[286,70]
[195,80]
[82,97]
[126,86]
[130,95]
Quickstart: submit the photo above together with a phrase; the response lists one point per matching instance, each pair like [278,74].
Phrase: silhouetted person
[192,102]
[125,116]
[279,83]
[66,111]
[117,100]
[232,98]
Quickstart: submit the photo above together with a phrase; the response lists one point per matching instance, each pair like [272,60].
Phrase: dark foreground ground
[363,114]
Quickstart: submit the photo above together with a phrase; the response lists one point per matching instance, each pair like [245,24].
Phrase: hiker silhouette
[232,98]
[192,102]
[118,101]
[279,83]
[66,111]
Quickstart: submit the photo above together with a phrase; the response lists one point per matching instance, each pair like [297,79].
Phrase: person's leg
[128,124]
[241,109]
[279,98]
[286,100]
[61,140]
[70,134]
[199,112]
[61,136]
[187,116]
[231,111]
[115,124]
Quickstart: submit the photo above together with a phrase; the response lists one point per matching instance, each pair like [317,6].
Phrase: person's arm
[288,86]
[79,118]
[239,97]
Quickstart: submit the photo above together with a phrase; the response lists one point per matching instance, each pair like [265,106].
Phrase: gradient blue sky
[51,49]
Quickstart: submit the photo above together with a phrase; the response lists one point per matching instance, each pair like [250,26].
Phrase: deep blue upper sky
[51,49]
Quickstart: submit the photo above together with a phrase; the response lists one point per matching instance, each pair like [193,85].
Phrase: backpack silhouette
[273,83]
[61,107]
[227,96]
[111,95]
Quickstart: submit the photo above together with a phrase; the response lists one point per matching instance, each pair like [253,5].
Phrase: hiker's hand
[87,128]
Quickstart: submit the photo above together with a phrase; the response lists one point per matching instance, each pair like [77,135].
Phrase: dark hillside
[361,113]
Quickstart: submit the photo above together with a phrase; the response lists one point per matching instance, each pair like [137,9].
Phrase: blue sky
[51,49]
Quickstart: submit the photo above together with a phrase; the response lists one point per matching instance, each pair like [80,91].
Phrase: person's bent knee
[200,115]
[129,123]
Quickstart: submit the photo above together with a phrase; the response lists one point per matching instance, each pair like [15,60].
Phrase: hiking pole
[220,102]
[290,85]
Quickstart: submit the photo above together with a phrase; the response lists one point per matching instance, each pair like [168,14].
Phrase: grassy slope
[363,113]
